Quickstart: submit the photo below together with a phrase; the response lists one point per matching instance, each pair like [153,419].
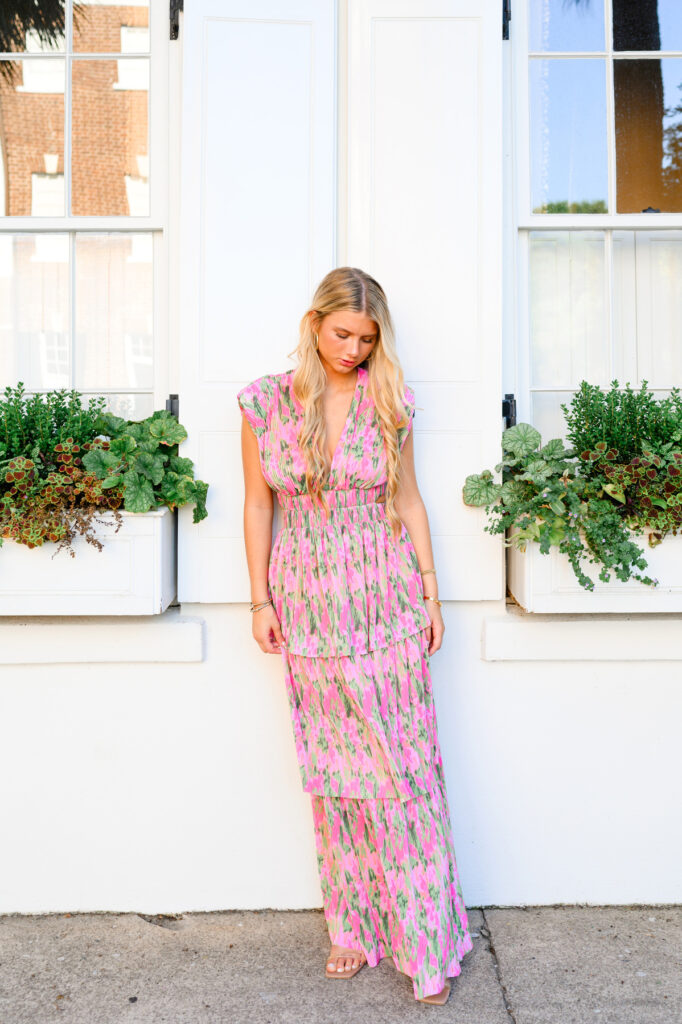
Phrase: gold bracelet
[427,598]
[257,607]
[424,571]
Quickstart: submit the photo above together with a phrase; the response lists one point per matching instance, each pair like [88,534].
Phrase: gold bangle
[427,598]
[257,607]
[424,571]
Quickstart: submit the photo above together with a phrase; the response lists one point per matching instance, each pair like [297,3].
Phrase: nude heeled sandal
[344,951]
[440,998]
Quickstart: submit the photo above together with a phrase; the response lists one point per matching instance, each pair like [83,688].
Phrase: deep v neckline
[349,416]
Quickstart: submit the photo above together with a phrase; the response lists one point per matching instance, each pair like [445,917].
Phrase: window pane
[114,330]
[568,327]
[648,116]
[659,305]
[647,25]
[16,37]
[556,25]
[110,27]
[32,137]
[130,406]
[568,136]
[547,415]
[110,152]
[34,310]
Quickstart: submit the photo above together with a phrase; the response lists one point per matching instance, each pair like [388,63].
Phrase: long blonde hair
[348,288]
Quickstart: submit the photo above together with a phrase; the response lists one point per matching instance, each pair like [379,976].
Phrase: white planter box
[547,583]
[134,574]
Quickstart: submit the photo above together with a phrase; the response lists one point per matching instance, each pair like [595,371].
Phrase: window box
[547,583]
[133,574]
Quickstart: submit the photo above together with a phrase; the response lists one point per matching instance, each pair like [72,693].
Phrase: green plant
[625,420]
[648,489]
[62,464]
[544,496]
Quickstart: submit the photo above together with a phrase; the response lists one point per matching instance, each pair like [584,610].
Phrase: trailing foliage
[62,464]
[623,474]
[546,501]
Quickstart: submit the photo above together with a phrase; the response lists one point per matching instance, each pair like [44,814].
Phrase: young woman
[349,596]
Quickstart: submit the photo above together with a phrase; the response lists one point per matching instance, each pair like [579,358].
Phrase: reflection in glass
[32,137]
[37,28]
[111,28]
[110,127]
[114,311]
[648,119]
[647,25]
[558,25]
[568,326]
[34,300]
[568,136]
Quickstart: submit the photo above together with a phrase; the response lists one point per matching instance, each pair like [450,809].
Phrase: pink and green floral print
[365,726]
[349,598]
[341,584]
[390,884]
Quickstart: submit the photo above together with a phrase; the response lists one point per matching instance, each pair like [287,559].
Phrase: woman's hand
[267,631]
[434,632]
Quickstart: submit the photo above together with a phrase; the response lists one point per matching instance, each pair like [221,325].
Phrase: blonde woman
[348,596]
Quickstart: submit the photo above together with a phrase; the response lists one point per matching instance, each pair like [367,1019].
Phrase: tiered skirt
[366,739]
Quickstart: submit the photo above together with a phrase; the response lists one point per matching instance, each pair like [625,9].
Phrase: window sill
[52,640]
[521,636]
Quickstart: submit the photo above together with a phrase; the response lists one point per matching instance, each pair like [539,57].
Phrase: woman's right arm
[258,512]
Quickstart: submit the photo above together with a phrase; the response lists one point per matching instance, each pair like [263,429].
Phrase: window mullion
[610,111]
[67,108]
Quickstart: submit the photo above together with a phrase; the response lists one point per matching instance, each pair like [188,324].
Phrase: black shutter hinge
[173,405]
[506,18]
[175,7]
[509,410]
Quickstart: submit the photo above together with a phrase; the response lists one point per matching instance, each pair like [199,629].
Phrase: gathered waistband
[291,504]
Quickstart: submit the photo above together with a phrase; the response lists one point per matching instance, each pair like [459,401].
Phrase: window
[598,160]
[83,204]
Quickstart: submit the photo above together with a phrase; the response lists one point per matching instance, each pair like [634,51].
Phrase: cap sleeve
[254,401]
[409,405]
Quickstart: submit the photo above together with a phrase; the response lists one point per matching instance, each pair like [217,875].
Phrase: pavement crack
[162,920]
[506,999]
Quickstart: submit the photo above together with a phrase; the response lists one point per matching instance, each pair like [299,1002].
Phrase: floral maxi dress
[350,603]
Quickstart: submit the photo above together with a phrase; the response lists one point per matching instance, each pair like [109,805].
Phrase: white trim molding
[521,636]
[51,640]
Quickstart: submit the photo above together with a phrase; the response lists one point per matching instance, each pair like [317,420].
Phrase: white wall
[164,788]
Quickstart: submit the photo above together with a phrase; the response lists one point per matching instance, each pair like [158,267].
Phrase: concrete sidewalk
[537,965]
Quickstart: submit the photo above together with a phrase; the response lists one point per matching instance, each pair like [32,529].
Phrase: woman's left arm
[411,509]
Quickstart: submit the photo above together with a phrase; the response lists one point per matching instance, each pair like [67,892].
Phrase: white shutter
[425,219]
[257,235]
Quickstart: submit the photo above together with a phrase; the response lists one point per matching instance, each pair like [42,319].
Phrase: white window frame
[519,220]
[524,217]
[518,193]
[164,90]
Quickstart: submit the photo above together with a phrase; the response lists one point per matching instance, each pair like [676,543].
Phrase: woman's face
[345,339]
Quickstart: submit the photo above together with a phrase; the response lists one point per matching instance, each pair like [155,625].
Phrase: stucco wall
[169,787]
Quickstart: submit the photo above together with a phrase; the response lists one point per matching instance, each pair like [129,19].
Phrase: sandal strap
[345,950]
